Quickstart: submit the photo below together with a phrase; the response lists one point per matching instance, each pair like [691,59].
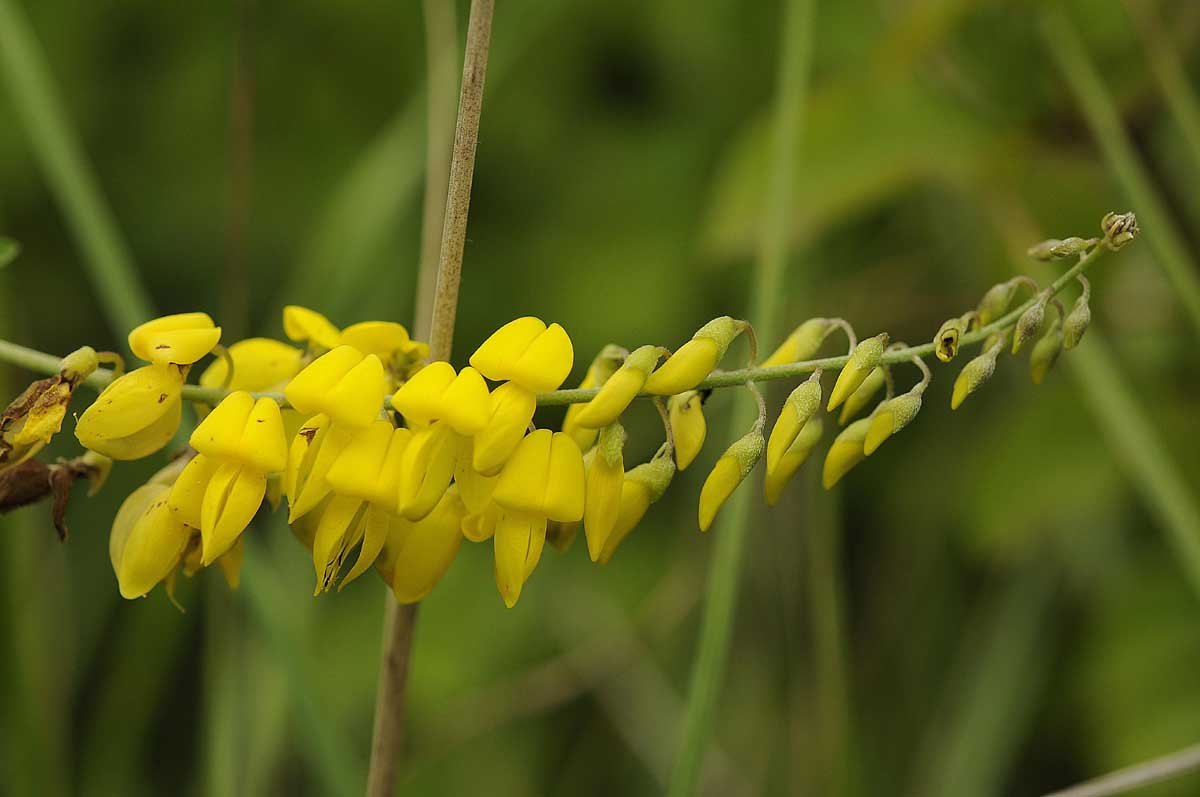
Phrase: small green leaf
[9,249]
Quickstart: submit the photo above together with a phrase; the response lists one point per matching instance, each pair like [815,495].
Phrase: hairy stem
[399,621]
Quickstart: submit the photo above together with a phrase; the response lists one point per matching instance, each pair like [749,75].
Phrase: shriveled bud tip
[862,362]
[972,376]
[1029,324]
[1119,229]
[945,342]
[891,418]
[733,467]
[1077,322]
[845,453]
[1045,353]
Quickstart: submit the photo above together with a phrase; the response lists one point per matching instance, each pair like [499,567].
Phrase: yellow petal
[845,453]
[518,543]
[152,550]
[800,406]
[802,344]
[259,364]
[359,470]
[688,427]
[384,339]
[778,477]
[481,526]
[420,399]
[719,485]
[863,395]
[342,384]
[613,398]
[603,502]
[302,324]
[428,549]
[512,410]
[564,490]
[135,416]
[301,454]
[337,532]
[313,487]
[181,339]
[497,355]
[187,494]
[466,403]
[635,500]
[230,563]
[132,509]
[264,445]
[376,526]
[686,368]
[427,469]
[219,435]
[546,363]
[234,495]
[858,367]
[522,484]
[474,488]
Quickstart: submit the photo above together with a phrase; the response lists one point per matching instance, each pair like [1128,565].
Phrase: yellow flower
[418,554]
[304,325]
[427,469]
[641,487]
[845,453]
[136,415]
[526,351]
[259,364]
[474,488]
[891,417]
[731,469]
[685,411]
[435,393]
[388,341]
[863,396]
[696,359]
[620,389]
[802,344]
[544,480]
[343,384]
[605,468]
[147,540]
[481,526]
[175,339]
[511,411]
[35,416]
[800,406]
[313,450]
[605,365]
[789,462]
[365,480]
[220,490]
[861,363]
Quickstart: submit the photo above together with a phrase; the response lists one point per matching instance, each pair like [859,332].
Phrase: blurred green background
[988,606]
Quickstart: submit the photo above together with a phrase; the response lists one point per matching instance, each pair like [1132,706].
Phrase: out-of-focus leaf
[9,249]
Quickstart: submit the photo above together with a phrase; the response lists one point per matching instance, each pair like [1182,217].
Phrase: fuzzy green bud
[973,375]
[1077,322]
[996,301]
[1030,323]
[696,359]
[802,344]
[860,398]
[731,469]
[861,363]
[891,417]
[1045,352]
[1055,249]
[797,410]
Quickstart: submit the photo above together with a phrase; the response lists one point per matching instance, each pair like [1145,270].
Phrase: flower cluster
[391,461]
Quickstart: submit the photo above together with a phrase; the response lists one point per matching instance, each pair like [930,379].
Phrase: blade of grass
[708,670]
[1137,776]
[106,256]
[1067,49]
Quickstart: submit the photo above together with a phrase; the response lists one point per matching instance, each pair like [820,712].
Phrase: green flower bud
[797,410]
[996,301]
[862,362]
[860,398]
[891,417]
[1030,323]
[1119,229]
[731,469]
[1077,322]
[973,375]
[803,343]
[1045,352]
[1055,249]
[945,342]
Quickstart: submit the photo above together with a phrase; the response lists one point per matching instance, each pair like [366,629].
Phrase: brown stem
[399,621]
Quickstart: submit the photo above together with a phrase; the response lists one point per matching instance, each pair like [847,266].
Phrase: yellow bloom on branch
[696,359]
[526,351]
[175,339]
[731,469]
[136,415]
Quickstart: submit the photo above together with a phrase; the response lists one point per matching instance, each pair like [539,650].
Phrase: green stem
[708,670]
[106,256]
[1098,108]
[1138,776]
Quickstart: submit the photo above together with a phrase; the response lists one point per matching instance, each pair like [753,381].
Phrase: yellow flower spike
[891,417]
[481,526]
[731,469]
[425,550]
[136,415]
[512,410]
[845,453]
[802,344]
[602,498]
[620,389]
[232,498]
[427,469]
[419,399]
[973,375]
[642,486]
[800,406]
[259,364]
[304,325]
[385,339]
[864,395]
[246,431]
[777,478]
[369,466]
[175,339]
[685,411]
[230,563]
[467,404]
[187,491]
[342,384]
[696,359]
[1045,352]
[526,351]
[474,488]
[518,541]
[862,362]
[153,547]
[604,366]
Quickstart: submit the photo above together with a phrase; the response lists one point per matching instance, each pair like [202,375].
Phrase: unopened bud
[973,375]
[731,469]
[696,359]
[945,342]
[1055,249]
[797,410]
[1045,352]
[688,427]
[861,363]
[1030,323]
[1119,229]
[790,461]
[860,398]
[996,301]
[891,417]
[845,453]
[1077,321]
[802,344]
